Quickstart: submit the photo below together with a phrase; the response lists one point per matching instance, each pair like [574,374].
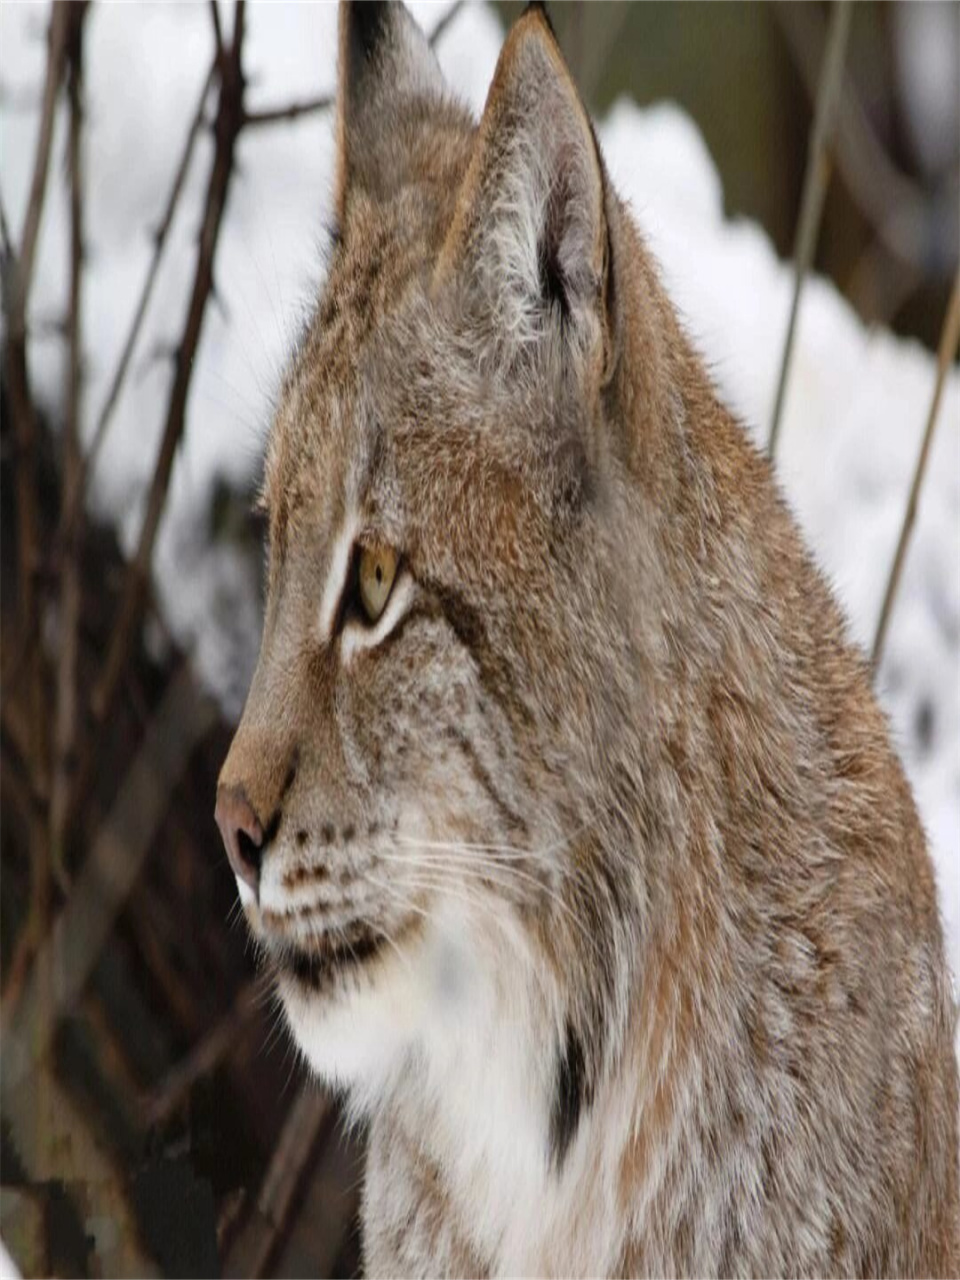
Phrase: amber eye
[376,570]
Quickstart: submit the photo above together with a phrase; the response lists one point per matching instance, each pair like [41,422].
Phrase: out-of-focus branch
[68,954]
[17,275]
[217,29]
[256,1244]
[6,244]
[880,283]
[56,53]
[229,120]
[920,230]
[159,242]
[814,186]
[292,111]
[437,34]
[204,1057]
[946,354]
[65,722]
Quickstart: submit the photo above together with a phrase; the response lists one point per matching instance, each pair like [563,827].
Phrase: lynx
[561,806]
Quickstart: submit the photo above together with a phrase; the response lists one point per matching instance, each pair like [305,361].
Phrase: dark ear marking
[552,286]
[366,30]
[539,6]
[385,64]
[570,1095]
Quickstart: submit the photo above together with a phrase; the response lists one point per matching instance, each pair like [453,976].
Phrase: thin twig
[814,185]
[293,111]
[437,34]
[65,719]
[159,242]
[946,354]
[229,120]
[217,29]
[56,51]
[6,244]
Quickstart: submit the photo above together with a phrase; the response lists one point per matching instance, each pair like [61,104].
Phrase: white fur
[336,577]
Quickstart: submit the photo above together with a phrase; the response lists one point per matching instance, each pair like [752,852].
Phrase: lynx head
[427,793]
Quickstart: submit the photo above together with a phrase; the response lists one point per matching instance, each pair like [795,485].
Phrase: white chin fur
[357,1037]
[247,896]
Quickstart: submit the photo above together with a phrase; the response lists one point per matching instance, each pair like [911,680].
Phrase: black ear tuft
[539,6]
[367,28]
[385,64]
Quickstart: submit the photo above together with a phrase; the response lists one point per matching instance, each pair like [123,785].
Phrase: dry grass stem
[814,186]
[946,354]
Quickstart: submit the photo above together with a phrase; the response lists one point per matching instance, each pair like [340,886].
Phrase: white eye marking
[337,577]
[357,636]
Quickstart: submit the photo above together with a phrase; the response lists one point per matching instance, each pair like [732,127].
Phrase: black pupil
[379,574]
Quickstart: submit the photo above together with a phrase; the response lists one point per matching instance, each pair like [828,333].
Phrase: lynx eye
[376,570]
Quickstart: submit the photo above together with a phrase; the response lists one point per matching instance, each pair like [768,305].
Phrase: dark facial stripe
[468,626]
[511,818]
[569,1097]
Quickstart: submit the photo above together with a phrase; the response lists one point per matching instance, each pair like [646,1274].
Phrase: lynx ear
[531,220]
[386,66]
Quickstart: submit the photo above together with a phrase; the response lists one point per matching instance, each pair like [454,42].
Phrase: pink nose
[242,833]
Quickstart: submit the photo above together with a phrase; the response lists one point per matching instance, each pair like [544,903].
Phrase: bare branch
[203,1057]
[293,111]
[6,244]
[256,1244]
[814,185]
[65,721]
[438,32]
[217,29]
[160,240]
[68,954]
[17,271]
[59,21]
[946,354]
[229,120]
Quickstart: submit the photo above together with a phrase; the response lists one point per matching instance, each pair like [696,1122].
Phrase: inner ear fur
[532,219]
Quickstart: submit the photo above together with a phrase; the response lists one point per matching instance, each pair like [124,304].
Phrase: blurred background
[165,184]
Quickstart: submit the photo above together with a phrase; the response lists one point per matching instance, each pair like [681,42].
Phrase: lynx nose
[241,832]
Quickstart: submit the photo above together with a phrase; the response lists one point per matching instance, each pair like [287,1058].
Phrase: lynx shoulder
[561,804]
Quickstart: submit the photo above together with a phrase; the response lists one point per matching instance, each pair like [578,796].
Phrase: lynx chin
[561,807]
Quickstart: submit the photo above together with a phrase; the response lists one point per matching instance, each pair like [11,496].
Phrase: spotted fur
[592,874]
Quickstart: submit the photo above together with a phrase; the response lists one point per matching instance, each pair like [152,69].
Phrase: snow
[854,414]
[8,1268]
